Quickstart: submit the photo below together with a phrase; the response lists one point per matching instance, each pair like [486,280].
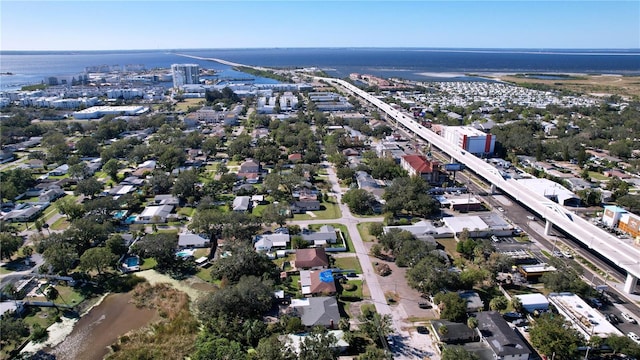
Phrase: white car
[628,318]
[500,209]
[633,336]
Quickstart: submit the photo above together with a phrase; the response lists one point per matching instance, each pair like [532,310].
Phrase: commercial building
[501,338]
[552,191]
[611,215]
[184,74]
[418,165]
[96,112]
[470,139]
[587,320]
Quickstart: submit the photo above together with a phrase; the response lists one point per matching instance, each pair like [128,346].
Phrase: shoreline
[58,332]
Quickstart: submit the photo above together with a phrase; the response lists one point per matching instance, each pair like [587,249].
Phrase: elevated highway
[617,251]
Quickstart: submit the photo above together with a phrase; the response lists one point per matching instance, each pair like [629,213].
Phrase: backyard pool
[185,253]
[130,219]
[132,261]
[120,214]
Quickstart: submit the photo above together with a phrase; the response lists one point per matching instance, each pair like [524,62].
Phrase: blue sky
[110,25]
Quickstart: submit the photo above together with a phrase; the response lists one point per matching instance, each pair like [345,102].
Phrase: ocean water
[406,63]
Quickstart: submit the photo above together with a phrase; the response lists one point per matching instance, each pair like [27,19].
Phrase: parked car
[629,318]
[424,305]
[633,336]
[557,253]
[422,330]
[615,318]
[567,254]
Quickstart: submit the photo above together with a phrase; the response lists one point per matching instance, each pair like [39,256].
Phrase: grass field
[604,85]
[449,246]
[363,229]
[597,176]
[186,103]
[348,263]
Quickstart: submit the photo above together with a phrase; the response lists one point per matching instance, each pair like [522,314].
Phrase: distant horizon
[470,49]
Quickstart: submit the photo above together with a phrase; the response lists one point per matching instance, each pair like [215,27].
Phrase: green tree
[111,168]
[376,327]
[185,185]
[499,303]
[275,213]
[271,348]
[456,352]
[61,257]
[88,187]
[452,306]
[87,146]
[68,206]
[13,329]
[116,245]
[551,335]
[431,275]
[218,349]
[409,195]
[359,201]
[244,262]
[318,345]
[376,229]
[248,298]
[9,245]
[97,258]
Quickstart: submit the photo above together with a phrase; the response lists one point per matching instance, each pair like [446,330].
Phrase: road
[620,253]
[406,345]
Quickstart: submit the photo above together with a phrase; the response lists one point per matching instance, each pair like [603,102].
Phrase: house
[326,234]
[317,311]
[51,195]
[294,158]
[250,166]
[35,164]
[474,302]
[418,165]
[317,283]
[350,152]
[266,242]
[132,180]
[155,214]
[192,241]
[60,170]
[166,199]
[301,207]
[457,333]
[25,212]
[311,259]
[501,338]
[241,203]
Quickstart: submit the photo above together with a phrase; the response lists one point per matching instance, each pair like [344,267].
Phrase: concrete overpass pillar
[547,227]
[630,284]
[492,190]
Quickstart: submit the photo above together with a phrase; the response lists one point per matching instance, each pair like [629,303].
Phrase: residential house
[474,302]
[325,235]
[250,166]
[295,158]
[267,242]
[418,165]
[501,338]
[317,311]
[132,180]
[25,212]
[317,283]
[166,199]
[155,214]
[301,207]
[457,333]
[241,203]
[60,170]
[311,259]
[51,195]
[188,240]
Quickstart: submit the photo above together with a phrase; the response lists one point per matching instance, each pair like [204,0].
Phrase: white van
[532,218]
[494,239]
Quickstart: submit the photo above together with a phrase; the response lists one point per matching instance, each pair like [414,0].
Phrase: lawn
[449,246]
[331,211]
[348,263]
[354,294]
[186,211]
[186,103]
[205,274]
[148,263]
[597,176]
[363,229]
[68,296]
[60,224]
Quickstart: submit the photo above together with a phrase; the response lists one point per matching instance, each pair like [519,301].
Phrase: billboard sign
[454,167]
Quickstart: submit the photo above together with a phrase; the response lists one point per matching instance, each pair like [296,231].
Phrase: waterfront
[407,63]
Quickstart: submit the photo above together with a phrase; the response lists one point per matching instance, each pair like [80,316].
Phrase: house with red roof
[418,165]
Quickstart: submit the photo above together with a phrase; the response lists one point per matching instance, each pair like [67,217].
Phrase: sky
[147,24]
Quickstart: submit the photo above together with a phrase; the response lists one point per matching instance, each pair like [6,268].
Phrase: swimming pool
[185,253]
[120,214]
[130,219]
[132,261]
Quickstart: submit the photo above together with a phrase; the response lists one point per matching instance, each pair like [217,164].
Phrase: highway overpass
[623,254]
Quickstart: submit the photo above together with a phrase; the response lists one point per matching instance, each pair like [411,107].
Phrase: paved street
[406,345]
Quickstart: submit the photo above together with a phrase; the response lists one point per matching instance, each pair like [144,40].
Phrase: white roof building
[587,320]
